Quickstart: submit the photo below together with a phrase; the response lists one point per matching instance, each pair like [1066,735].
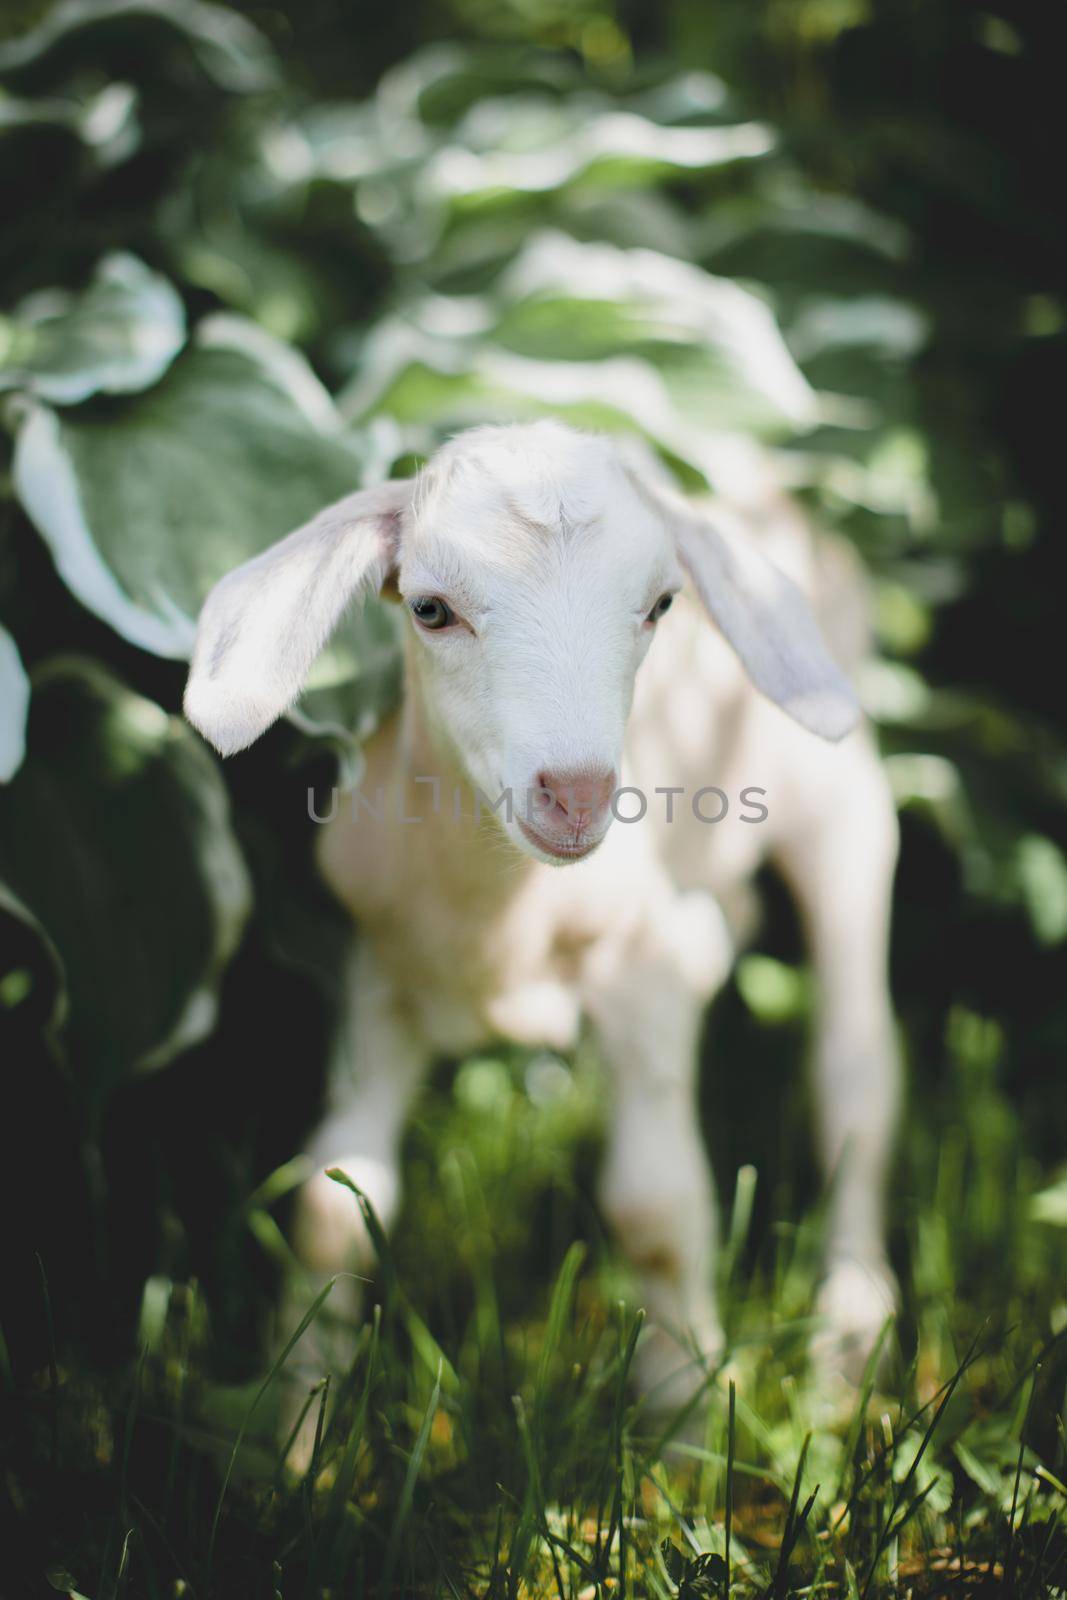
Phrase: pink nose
[576,798]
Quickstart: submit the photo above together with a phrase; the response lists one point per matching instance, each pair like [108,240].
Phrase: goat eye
[432,613]
[661,607]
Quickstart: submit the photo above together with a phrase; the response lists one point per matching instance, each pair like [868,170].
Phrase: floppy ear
[763,615]
[262,626]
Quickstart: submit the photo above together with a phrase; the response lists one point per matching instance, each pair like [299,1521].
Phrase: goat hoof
[669,1372]
[328,1229]
[854,1302]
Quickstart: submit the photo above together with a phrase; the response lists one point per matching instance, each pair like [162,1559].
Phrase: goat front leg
[376,1068]
[841,870]
[646,998]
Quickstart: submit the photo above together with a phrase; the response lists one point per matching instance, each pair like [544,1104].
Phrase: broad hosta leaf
[27,953]
[104,122]
[891,327]
[14,702]
[705,334]
[529,141]
[504,147]
[801,239]
[511,161]
[146,501]
[119,335]
[115,834]
[227,48]
[441,81]
[619,338]
[1050,1205]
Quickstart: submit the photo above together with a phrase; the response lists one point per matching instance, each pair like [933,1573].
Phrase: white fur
[553,548]
[262,627]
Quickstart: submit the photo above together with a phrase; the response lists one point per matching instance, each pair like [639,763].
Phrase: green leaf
[1050,1205]
[147,501]
[512,146]
[773,991]
[103,123]
[1042,873]
[14,703]
[704,1577]
[119,335]
[617,338]
[226,47]
[30,955]
[510,134]
[115,834]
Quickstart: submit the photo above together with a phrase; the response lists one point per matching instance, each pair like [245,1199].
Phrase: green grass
[483,1438]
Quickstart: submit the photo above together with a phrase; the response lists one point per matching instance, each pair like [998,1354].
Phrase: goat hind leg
[840,867]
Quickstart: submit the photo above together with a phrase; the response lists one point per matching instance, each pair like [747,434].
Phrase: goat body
[548,547]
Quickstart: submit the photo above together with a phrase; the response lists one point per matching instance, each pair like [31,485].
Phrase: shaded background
[398,214]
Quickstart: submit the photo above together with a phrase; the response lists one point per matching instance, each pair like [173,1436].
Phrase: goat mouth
[556,848]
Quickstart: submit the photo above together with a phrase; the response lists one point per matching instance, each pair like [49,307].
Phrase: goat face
[535,564]
[534,577]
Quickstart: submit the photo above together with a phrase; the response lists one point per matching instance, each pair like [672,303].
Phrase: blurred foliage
[252,257]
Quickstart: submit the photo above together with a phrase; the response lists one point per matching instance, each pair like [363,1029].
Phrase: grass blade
[855,1430]
[374,1227]
[346,1472]
[789,1534]
[536,1489]
[301,1328]
[902,1488]
[731,1450]
[558,1313]
[407,1493]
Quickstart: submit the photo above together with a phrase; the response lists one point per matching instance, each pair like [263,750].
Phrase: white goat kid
[535,564]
